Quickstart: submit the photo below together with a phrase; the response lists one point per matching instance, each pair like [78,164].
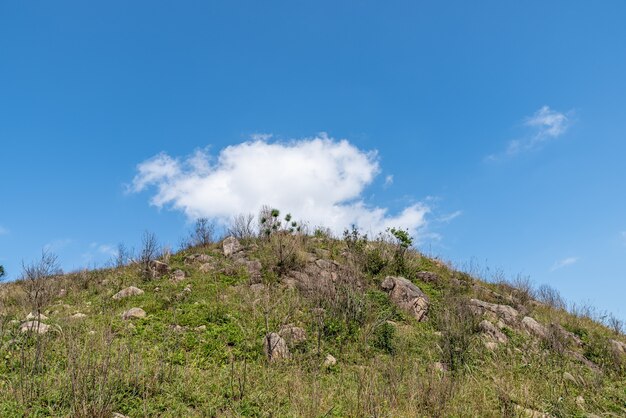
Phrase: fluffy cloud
[544,125]
[319,180]
[564,263]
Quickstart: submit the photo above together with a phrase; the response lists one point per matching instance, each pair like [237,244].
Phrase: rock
[492,332]
[134,313]
[118,415]
[200,328]
[129,291]
[207,268]
[257,287]
[292,334]
[34,326]
[508,314]
[618,346]
[428,276]
[178,276]
[62,293]
[231,246]
[407,296]
[584,360]
[32,316]
[329,361]
[580,402]
[440,367]
[187,288]
[534,327]
[198,258]
[78,315]
[254,269]
[565,334]
[275,347]
[490,345]
[530,413]
[159,268]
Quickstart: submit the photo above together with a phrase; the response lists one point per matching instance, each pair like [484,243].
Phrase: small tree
[403,243]
[150,251]
[2,270]
[38,280]
[202,234]
[283,236]
[241,227]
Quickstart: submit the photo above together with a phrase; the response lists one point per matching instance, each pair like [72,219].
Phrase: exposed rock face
[33,316]
[292,334]
[319,276]
[428,276]
[492,332]
[508,314]
[618,346]
[207,268]
[198,258]
[159,268]
[407,296]
[129,291]
[178,276]
[134,313]
[231,246]
[34,326]
[275,347]
[254,268]
[534,327]
[329,361]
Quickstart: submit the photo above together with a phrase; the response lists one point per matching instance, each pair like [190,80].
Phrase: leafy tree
[2,273]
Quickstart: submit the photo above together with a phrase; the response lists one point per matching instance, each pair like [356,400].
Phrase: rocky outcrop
[428,276]
[329,361]
[178,276]
[508,314]
[292,335]
[159,268]
[134,313]
[275,347]
[254,268]
[534,328]
[33,316]
[129,291]
[407,296]
[198,258]
[618,347]
[493,333]
[231,246]
[34,326]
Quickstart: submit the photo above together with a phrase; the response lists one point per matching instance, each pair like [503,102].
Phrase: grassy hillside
[352,348]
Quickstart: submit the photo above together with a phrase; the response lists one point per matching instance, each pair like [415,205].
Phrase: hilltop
[287,323]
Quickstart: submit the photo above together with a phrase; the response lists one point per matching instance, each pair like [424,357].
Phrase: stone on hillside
[118,415]
[159,268]
[129,291]
[198,258]
[618,346]
[329,361]
[178,275]
[257,287]
[406,295]
[490,345]
[530,413]
[508,314]
[428,276]
[62,293]
[231,246]
[207,268]
[32,316]
[78,315]
[492,332]
[275,347]
[254,268]
[534,327]
[292,334]
[34,326]
[200,328]
[134,313]
[440,367]
[580,401]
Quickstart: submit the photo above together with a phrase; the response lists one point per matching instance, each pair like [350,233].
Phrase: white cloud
[450,216]
[57,245]
[388,180]
[544,125]
[319,180]
[105,249]
[564,263]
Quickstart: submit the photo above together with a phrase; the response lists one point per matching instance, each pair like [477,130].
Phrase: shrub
[150,251]
[202,235]
[384,338]
[38,280]
[458,325]
[550,297]
[241,227]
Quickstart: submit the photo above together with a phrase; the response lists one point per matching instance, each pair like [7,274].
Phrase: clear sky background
[494,130]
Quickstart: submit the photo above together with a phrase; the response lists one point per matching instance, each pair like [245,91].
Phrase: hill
[295,324]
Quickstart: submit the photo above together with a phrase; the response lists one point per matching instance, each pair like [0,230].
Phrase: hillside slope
[296,325]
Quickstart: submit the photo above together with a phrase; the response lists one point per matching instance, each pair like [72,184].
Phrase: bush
[384,338]
[202,235]
[38,281]
[458,325]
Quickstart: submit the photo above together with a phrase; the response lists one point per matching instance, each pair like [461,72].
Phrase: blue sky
[495,130]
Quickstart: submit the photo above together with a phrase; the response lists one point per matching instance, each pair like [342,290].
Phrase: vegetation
[199,350]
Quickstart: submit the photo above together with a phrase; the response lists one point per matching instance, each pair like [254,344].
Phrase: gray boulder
[489,330]
[134,313]
[407,296]
[129,291]
[508,314]
[231,246]
[275,347]
[292,335]
[34,326]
